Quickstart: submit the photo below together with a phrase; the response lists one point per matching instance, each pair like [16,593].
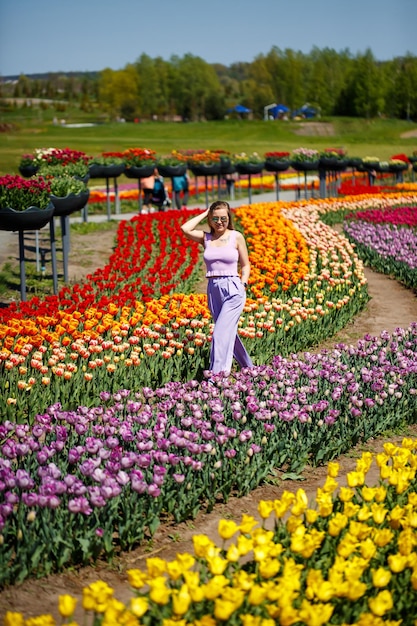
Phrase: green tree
[295,75]
[195,88]
[258,88]
[118,92]
[152,93]
[368,86]
[401,76]
[328,71]
[229,84]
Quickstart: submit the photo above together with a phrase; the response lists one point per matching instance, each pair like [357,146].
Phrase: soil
[409,134]
[325,129]
[391,306]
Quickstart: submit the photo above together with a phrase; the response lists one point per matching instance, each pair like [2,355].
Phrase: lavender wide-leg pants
[226,298]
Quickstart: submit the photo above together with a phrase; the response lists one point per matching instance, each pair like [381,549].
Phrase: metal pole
[322,179]
[108,198]
[139,195]
[249,189]
[277,184]
[22,265]
[232,190]
[65,244]
[116,197]
[53,255]
[38,267]
[174,194]
[207,198]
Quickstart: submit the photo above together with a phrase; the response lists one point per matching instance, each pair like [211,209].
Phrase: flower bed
[346,558]
[398,216]
[97,336]
[77,477]
[304,288]
[20,194]
[130,442]
[387,241]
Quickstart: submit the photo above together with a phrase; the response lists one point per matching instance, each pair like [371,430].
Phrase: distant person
[230,180]
[181,191]
[160,196]
[147,185]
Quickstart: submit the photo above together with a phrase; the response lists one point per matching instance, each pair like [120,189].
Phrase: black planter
[226,166]
[276,166]
[397,167]
[249,168]
[206,170]
[85,178]
[169,171]
[383,167]
[28,170]
[69,204]
[356,163]
[305,166]
[139,171]
[333,165]
[106,171]
[32,218]
[369,166]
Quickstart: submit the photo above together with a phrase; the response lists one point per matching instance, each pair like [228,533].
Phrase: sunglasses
[223,220]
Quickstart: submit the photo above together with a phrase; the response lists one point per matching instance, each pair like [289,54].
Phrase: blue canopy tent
[306,111]
[278,111]
[239,108]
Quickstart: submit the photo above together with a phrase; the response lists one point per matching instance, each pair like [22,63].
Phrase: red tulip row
[151,258]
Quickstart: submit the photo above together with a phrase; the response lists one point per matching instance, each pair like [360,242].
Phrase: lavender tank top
[221,260]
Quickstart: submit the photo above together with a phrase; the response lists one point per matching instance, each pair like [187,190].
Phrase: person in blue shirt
[180,186]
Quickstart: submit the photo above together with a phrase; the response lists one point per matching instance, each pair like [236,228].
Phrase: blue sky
[90,35]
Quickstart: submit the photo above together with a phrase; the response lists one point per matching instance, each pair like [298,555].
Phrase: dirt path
[391,306]
[324,129]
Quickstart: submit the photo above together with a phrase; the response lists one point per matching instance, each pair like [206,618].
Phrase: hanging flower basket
[305,166]
[206,170]
[274,165]
[305,159]
[139,162]
[105,171]
[354,162]
[69,204]
[32,218]
[226,166]
[371,165]
[398,167]
[169,171]
[250,168]
[139,171]
[332,164]
[277,161]
[28,170]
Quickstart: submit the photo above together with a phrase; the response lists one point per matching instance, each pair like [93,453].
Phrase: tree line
[188,88]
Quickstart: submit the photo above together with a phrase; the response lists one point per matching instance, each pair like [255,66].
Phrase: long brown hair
[221,204]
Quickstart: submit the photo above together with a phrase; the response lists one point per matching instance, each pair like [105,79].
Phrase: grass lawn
[29,129]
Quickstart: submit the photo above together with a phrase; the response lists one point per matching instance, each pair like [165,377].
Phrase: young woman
[224,248]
